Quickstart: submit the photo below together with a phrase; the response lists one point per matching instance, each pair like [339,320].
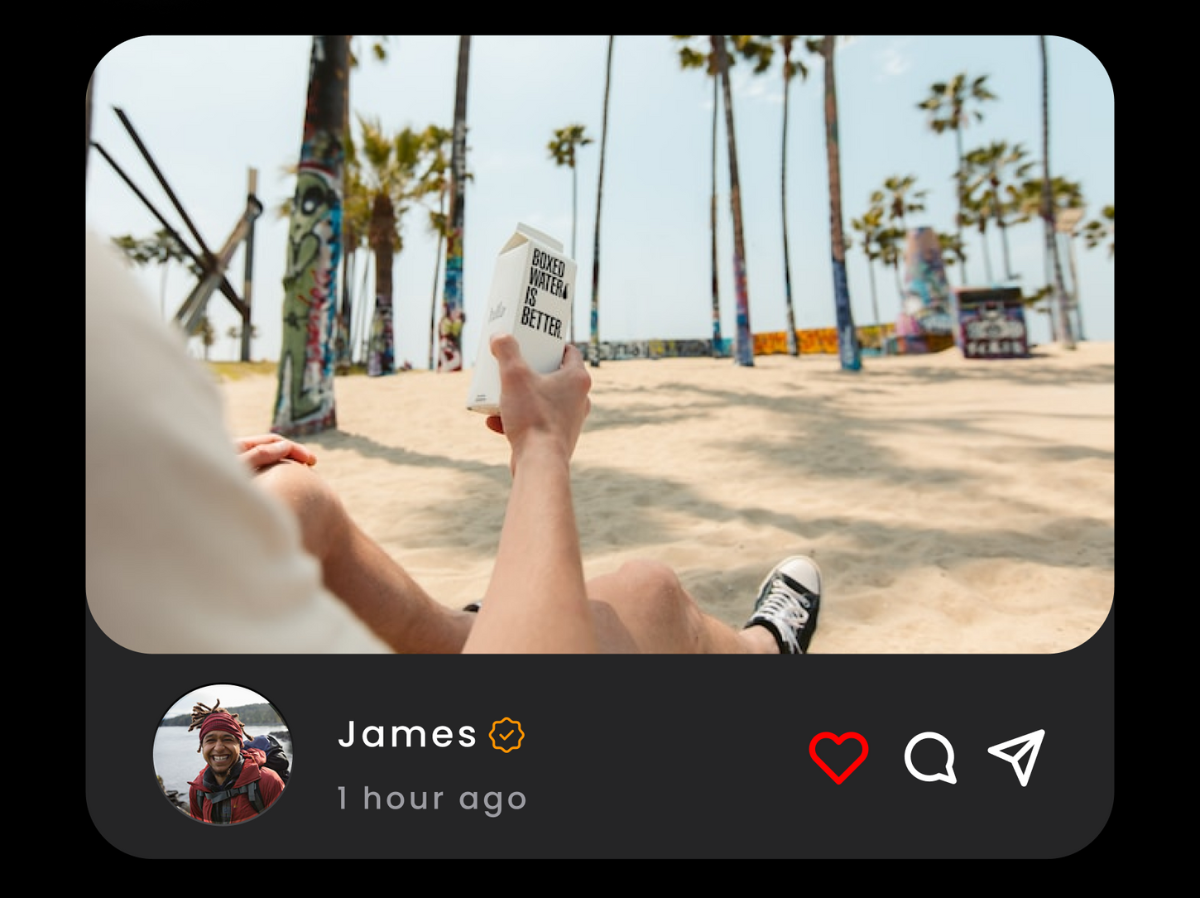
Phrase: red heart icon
[838,740]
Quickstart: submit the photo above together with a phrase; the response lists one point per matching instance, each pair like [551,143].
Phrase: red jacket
[252,761]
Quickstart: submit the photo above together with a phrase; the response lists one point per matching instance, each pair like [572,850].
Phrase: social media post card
[904,471]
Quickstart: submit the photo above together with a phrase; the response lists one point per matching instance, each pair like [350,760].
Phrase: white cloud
[893,60]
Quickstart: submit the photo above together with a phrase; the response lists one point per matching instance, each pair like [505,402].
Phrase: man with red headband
[235,784]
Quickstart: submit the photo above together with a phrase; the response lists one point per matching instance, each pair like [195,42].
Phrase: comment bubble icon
[945,776]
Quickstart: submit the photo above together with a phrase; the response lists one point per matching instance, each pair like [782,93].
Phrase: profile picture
[222,754]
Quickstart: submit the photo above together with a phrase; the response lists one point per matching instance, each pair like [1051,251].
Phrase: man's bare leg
[643,608]
[357,570]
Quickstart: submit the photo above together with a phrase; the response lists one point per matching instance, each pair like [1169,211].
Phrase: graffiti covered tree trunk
[304,403]
[849,351]
[744,351]
[381,345]
[453,317]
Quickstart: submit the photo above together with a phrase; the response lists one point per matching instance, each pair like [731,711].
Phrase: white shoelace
[787,609]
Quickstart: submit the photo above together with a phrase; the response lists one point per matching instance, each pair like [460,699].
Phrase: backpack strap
[223,804]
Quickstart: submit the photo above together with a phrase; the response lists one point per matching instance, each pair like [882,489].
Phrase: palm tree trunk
[450,356]
[1008,272]
[958,185]
[1062,323]
[341,341]
[744,351]
[381,354]
[849,351]
[875,304]
[574,225]
[304,403]
[1075,304]
[594,345]
[792,343]
[437,268]
[361,349]
[717,348]
[987,255]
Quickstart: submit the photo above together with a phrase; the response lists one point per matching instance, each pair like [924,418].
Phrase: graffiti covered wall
[992,323]
[304,403]
[817,341]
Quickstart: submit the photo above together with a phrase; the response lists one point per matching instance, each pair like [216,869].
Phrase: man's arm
[536,600]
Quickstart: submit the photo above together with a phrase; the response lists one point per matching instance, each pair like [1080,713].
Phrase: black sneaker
[473,606]
[788,602]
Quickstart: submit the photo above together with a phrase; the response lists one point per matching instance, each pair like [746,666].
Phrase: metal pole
[225,286]
[192,310]
[248,277]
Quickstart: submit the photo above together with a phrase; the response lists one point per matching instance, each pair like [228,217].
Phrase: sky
[210,109]
[229,695]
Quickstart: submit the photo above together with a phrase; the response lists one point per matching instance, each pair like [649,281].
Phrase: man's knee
[647,593]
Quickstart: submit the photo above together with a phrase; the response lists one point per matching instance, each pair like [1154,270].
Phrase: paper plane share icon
[1029,744]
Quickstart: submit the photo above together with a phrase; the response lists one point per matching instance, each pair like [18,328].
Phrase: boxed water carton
[533,288]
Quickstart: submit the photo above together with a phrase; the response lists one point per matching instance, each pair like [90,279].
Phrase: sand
[954,505]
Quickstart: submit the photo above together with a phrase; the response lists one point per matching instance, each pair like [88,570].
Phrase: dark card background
[629,756]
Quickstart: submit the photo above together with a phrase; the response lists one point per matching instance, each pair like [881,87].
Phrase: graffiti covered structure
[927,299]
[304,403]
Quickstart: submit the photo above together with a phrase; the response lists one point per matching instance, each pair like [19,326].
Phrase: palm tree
[1062,323]
[1027,201]
[953,249]
[988,171]
[356,217]
[978,212]
[207,334]
[390,176]
[594,339]
[744,351]
[304,402]
[871,227]
[562,151]
[947,105]
[902,199]
[849,351]
[161,249]
[691,58]
[790,70]
[891,242]
[436,181]
[453,317]
[1026,198]
[235,332]
[1098,230]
